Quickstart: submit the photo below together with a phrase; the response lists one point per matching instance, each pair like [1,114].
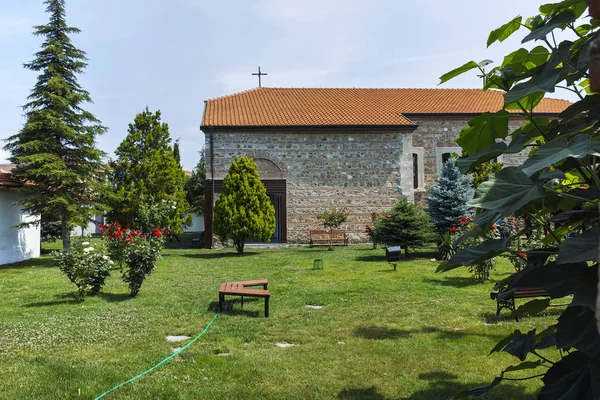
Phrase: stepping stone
[177,338]
[223,354]
[313,306]
[341,342]
[283,345]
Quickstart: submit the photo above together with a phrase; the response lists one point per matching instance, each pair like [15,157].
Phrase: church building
[358,149]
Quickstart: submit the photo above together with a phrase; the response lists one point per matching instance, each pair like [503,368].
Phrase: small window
[415,171]
[443,154]
[418,168]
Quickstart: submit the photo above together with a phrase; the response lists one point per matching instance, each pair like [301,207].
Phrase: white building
[15,244]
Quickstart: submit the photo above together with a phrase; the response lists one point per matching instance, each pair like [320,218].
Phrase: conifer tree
[447,200]
[56,149]
[195,186]
[146,173]
[405,225]
[243,210]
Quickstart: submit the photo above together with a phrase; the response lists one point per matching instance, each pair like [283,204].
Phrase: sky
[173,55]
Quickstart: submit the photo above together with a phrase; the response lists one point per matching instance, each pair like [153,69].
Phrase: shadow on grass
[455,281]
[382,333]
[229,310]
[115,297]
[362,394]
[45,262]
[373,258]
[443,385]
[210,256]
[505,315]
[65,298]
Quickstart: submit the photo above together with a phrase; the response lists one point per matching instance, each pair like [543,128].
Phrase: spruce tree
[56,149]
[405,225]
[243,210]
[146,173]
[447,200]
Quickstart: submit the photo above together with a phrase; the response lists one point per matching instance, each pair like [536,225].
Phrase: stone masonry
[364,172]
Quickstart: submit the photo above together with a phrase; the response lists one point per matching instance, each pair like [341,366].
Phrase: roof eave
[209,128]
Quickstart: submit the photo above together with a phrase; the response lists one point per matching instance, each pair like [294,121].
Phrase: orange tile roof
[7,179]
[326,107]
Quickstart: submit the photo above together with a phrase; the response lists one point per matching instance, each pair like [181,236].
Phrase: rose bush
[134,249]
[85,265]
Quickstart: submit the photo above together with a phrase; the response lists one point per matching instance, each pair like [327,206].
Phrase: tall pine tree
[146,172]
[56,148]
[447,200]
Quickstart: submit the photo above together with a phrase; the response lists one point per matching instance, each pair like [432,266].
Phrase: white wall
[197,224]
[16,244]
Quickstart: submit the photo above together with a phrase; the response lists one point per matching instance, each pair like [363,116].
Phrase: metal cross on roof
[259,75]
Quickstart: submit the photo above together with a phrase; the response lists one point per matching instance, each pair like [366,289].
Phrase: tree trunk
[406,251]
[239,246]
[66,234]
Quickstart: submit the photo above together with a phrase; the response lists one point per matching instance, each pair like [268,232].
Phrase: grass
[380,334]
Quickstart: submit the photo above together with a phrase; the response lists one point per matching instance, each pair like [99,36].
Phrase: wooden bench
[339,237]
[322,237]
[507,300]
[239,289]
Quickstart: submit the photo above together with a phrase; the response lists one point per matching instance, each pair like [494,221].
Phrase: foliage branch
[557,188]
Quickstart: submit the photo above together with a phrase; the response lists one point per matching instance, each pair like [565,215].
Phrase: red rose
[493,227]
[522,255]
[453,230]
[132,233]
[156,233]
[118,233]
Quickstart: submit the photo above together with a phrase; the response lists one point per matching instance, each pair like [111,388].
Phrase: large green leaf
[528,59]
[483,131]
[557,280]
[532,307]
[583,247]
[458,71]
[559,149]
[504,31]
[462,69]
[564,379]
[577,328]
[466,163]
[588,288]
[471,255]
[507,191]
[524,365]
[521,345]
[556,21]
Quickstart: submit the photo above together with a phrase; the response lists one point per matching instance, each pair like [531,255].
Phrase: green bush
[334,218]
[141,256]
[243,210]
[405,225]
[87,267]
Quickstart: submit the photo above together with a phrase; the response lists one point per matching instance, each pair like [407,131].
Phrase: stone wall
[362,171]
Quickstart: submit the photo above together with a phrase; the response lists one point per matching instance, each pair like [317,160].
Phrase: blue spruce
[447,200]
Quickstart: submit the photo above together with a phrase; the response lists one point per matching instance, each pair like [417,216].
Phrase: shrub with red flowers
[136,250]
[481,270]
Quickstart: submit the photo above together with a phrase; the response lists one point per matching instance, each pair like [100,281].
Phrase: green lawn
[380,334]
